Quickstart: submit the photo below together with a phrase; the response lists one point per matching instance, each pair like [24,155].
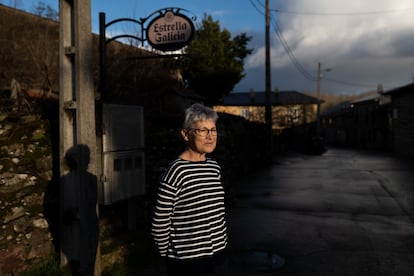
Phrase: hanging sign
[170,31]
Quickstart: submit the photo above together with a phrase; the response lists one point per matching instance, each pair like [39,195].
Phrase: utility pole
[318,114]
[318,110]
[268,104]
[76,94]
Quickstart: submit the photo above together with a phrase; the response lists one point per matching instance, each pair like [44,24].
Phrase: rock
[26,160]
[6,175]
[31,148]
[3,116]
[15,149]
[40,223]
[40,245]
[12,258]
[20,225]
[22,176]
[38,134]
[29,118]
[46,175]
[33,199]
[16,212]
[31,181]
[14,183]
[44,164]
[18,152]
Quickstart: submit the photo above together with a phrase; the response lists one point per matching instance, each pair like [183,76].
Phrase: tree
[46,11]
[213,64]
[15,3]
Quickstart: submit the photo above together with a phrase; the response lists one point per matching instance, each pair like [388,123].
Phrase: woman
[189,226]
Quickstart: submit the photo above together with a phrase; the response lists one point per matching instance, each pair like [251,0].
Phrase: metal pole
[102,53]
[268,105]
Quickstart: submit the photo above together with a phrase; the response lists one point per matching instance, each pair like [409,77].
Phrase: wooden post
[318,110]
[76,93]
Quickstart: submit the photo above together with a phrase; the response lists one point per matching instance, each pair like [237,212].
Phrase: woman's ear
[185,135]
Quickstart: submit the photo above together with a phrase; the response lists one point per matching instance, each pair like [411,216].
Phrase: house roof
[259,98]
[402,89]
[189,94]
[374,96]
[337,109]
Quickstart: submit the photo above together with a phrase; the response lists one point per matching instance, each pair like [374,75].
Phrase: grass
[45,267]
[115,269]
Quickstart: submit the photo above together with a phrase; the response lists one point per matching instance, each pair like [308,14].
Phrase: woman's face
[202,137]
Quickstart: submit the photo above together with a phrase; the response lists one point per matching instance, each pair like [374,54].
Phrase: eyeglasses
[203,132]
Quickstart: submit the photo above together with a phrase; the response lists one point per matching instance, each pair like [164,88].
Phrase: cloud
[218,13]
[364,42]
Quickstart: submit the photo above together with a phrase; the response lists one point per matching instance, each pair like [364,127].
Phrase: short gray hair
[198,112]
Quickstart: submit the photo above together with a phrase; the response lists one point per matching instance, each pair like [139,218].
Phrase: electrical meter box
[123,155]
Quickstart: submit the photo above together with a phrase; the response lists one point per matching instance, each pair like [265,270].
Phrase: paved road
[342,213]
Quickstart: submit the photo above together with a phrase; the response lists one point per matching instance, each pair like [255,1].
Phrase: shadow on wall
[80,227]
[70,207]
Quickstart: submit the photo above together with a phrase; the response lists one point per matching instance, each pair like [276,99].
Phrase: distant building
[379,121]
[289,108]
[402,102]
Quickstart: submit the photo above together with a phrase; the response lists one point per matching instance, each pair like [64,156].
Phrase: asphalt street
[345,212]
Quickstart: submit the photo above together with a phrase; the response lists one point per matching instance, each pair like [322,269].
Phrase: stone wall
[25,172]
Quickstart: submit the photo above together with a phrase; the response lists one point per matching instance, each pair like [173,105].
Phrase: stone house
[289,108]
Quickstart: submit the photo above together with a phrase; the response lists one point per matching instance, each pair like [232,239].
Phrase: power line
[301,69]
[290,53]
[256,8]
[261,4]
[284,43]
[344,13]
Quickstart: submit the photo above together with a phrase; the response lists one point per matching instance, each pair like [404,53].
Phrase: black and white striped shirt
[189,217]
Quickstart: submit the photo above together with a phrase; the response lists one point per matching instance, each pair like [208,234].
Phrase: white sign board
[170,31]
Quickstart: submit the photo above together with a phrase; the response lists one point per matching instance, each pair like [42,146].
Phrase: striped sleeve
[161,223]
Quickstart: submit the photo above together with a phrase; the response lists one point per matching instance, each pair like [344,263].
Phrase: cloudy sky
[363,43]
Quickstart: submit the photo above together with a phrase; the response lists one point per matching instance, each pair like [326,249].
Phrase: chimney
[380,88]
